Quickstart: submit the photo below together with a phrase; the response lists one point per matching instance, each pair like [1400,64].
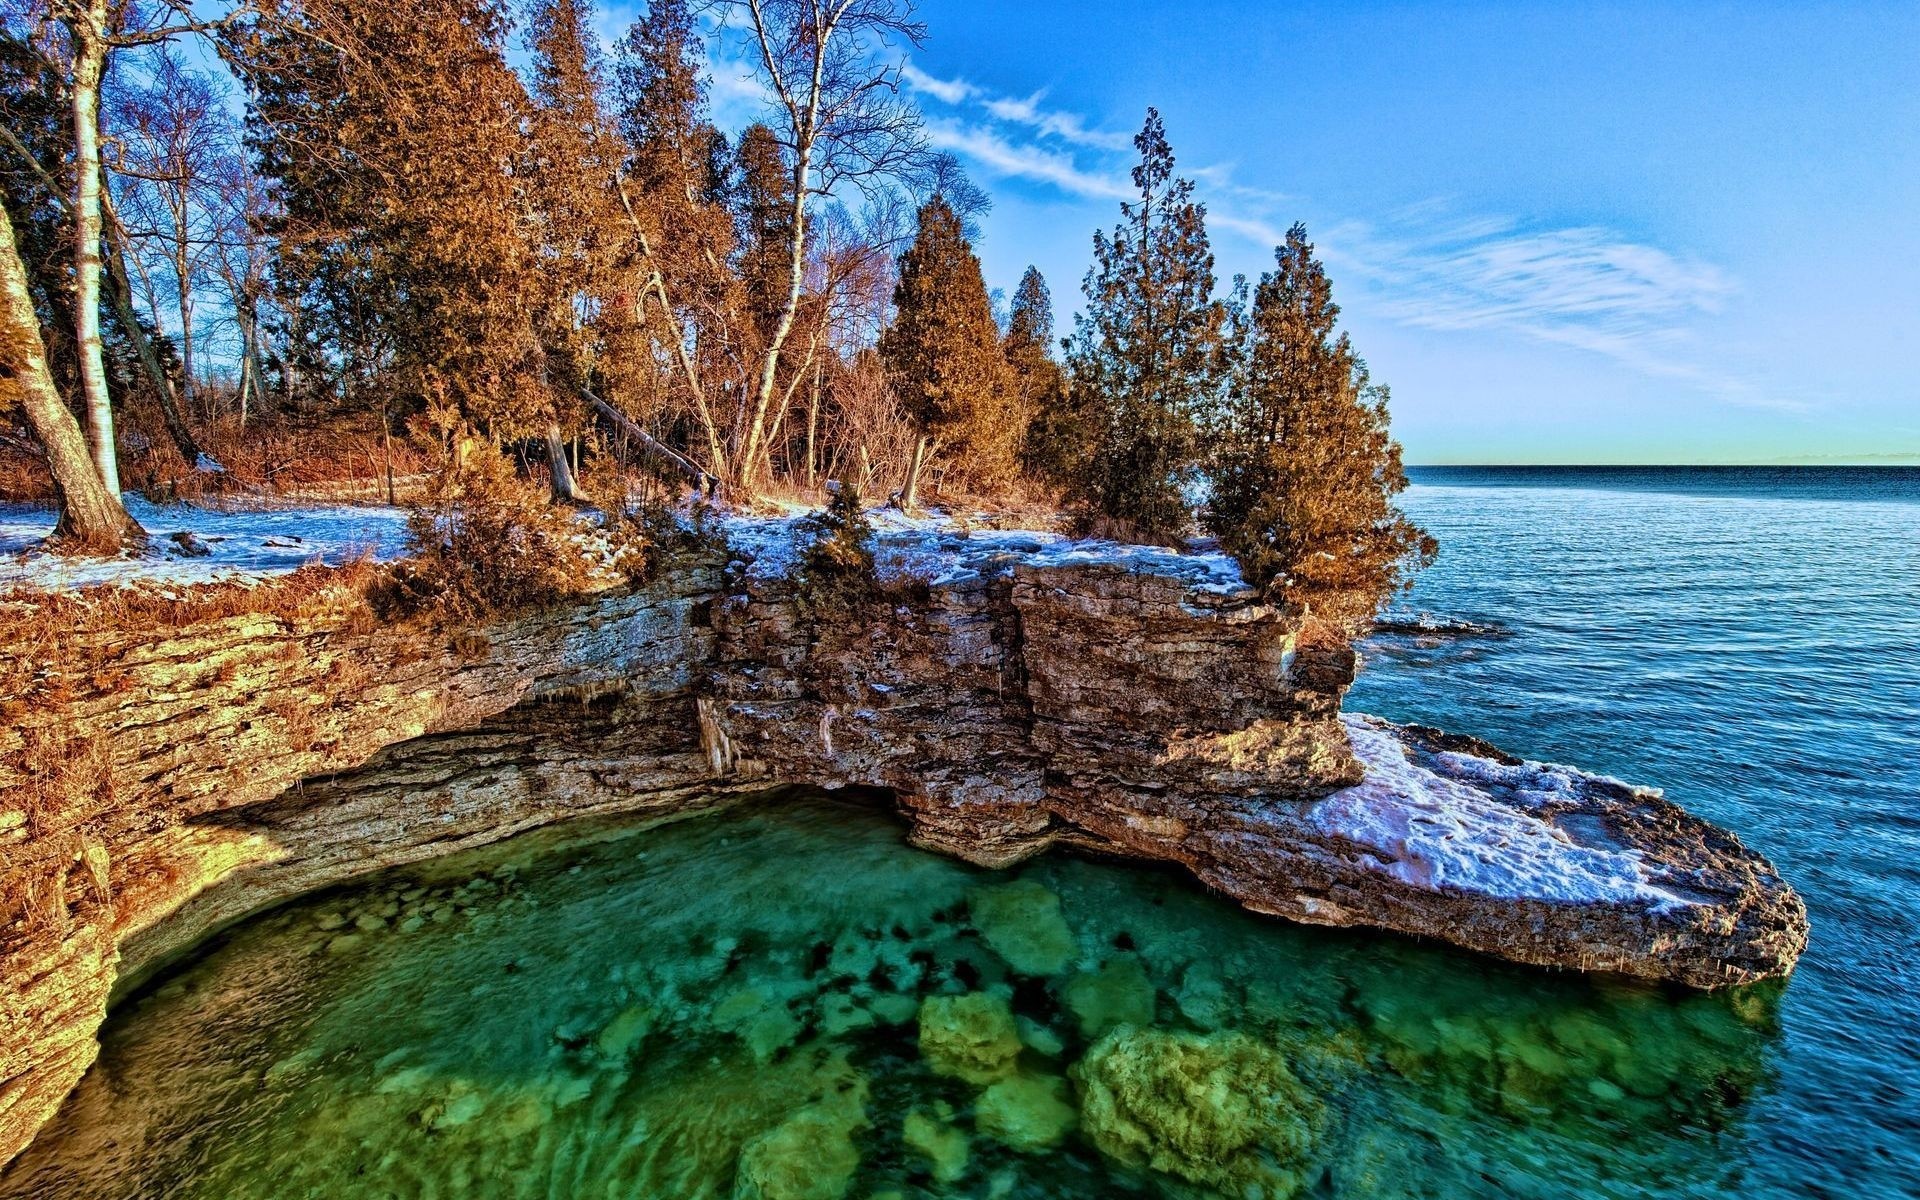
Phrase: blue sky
[1560,232]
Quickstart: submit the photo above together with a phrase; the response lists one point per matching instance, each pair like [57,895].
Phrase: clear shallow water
[786,1001]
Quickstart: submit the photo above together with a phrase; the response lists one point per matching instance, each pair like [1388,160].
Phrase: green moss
[1221,1111]
[1119,993]
[971,1037]
[1023,924]
[1026,1112]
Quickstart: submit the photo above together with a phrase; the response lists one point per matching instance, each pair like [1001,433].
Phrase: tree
[390,134]
[1146,353]
[91,515]
[1305,468]
[575,158]
[943,354]
[1056,435]
[95,29]
[841,121]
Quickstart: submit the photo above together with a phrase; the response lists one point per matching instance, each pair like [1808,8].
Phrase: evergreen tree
[942,352]
[763,215]
[1056,435]
[1305,469]
[573,157]
[1146,354]
[389,134]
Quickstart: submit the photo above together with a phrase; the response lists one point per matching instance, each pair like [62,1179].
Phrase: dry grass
[60,643]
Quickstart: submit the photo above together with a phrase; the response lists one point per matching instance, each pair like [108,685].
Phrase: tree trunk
[563,485]
[910,495]
[120,293]
[91,517]
[87,27]
[748,466]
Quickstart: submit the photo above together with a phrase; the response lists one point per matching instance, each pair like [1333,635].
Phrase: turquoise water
[1748,639]
[787,1002]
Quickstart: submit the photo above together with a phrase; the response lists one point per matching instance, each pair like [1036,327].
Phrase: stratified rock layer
[1010,697]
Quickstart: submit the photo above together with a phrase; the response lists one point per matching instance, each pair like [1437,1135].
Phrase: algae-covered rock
[628,1029]
[1026,1112]
[1022,923]
[934,1136]
[1119,993]
[810,1155]
[971,1037]
[1222,1111]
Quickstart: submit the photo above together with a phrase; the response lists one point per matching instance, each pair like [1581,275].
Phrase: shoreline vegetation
[465,241]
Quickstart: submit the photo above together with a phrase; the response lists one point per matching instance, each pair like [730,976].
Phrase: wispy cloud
[1028,111]
[1582,287]
[947,91]
[1008,159]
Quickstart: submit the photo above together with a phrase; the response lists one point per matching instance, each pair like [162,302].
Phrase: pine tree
[763,213]
[573,157]
[390,132]
[1146,352]
[942,352]
[1056,438]
[1305,469]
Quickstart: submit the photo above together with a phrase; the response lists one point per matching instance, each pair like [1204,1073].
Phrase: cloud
[947,91]
[1583,287]
[1068,127]
[988,149]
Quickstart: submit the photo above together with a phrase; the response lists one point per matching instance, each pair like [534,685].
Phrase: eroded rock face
[1009,700]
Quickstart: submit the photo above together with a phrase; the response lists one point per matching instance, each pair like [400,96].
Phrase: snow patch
[240,544]
[1437,831]
[944,551]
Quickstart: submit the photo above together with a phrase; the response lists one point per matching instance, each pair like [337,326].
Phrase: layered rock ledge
[1011,692]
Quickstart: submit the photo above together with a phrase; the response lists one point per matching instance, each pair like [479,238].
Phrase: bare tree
[95,29]
[842,122]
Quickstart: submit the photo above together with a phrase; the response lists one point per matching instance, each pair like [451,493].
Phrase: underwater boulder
[971,1037]
[1022,923]
[1119,993]
[935,1137]
[1026,1112]
[1222,1111]
[810,1155]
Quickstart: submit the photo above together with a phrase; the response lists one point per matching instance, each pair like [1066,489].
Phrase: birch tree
[841,121]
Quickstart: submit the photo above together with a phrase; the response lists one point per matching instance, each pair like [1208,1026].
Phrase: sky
[1561,232]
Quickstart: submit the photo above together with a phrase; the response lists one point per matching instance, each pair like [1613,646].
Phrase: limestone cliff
[1009,696]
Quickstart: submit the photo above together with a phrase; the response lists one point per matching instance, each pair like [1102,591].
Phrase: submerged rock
[971,1037]
[1026,1112]
[944,1146]
[1119,993]
[1221,1111]
[1023,924]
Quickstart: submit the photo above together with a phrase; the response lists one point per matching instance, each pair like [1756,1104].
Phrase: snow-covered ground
[259,541]
[944,549]
[1468,829]
[239,543]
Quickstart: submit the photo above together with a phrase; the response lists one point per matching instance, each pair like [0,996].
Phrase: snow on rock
[218,544]
[1464,824]
[944,550]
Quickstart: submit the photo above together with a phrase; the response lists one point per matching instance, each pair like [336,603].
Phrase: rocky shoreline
[1012,692]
